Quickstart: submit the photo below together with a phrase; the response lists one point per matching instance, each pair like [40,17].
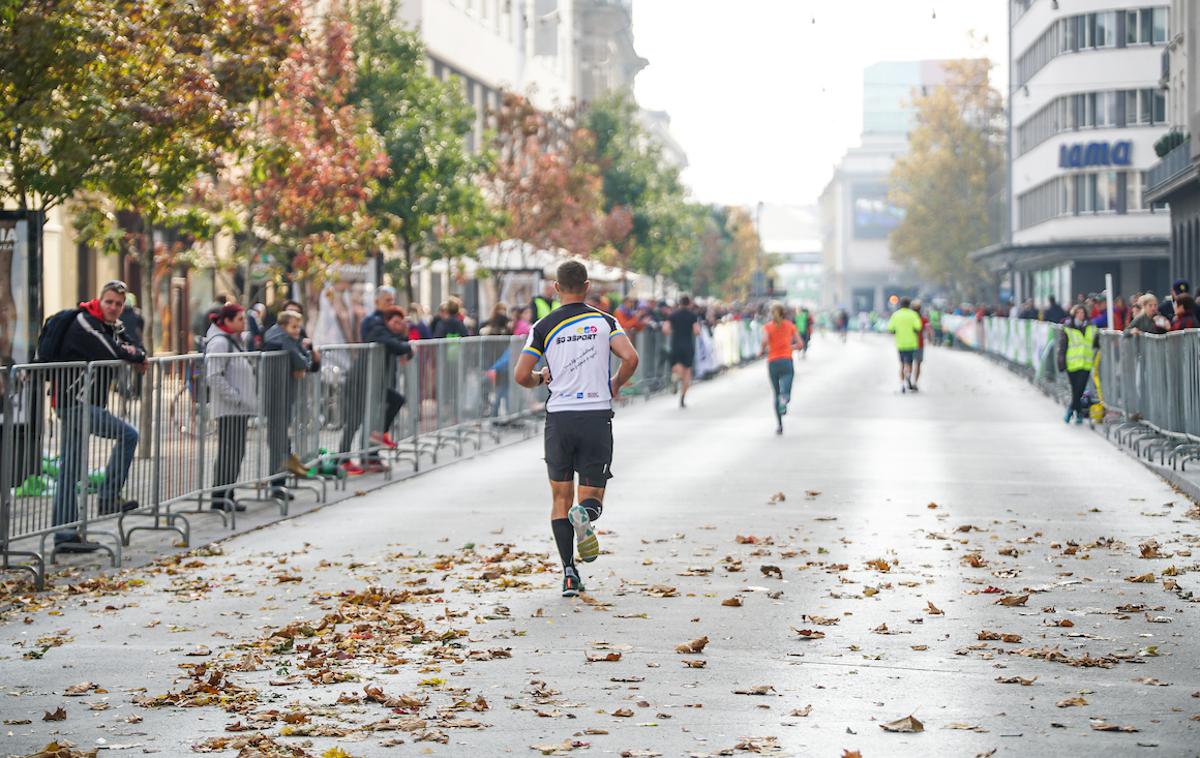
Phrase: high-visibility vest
[1081,353]
[544,306]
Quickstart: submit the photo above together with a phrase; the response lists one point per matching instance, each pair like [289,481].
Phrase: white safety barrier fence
[95,452]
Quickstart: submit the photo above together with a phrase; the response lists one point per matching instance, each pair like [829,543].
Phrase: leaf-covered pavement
[953,573]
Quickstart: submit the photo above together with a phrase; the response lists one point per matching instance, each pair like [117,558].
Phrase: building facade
[606,60]
[1085,110]
[856,216]
[1176,178]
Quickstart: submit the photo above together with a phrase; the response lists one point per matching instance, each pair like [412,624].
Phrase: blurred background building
[856,217]
[1086,109]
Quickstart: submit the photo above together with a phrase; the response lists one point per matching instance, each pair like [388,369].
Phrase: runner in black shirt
[683,327]
[575,340]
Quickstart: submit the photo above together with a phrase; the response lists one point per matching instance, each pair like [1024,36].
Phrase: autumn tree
[950,185]
[429,197]
[545,181]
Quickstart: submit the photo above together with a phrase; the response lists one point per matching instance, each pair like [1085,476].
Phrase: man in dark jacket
[1054,312]
[390,333]
[285,372]
[96,334]
[385,298]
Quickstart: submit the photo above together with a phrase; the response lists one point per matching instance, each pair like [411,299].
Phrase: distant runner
[780,338]
[683,327]
[575,340]
[919,356]
[906,325]
[804,325]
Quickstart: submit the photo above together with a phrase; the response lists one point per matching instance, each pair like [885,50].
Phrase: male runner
[683,327]
[906,325]
[575,341]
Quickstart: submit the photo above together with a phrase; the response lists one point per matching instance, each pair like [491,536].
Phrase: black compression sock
[564,537]
[593,507]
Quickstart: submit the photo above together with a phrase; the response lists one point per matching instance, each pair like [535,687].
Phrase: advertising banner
[20,291]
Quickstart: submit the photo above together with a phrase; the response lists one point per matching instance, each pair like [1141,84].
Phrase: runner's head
[572,284]
[777,312]
[905,302]
[685,301]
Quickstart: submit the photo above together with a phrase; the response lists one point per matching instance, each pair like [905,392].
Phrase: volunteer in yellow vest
[906,325]
[1077,355]
[544,304]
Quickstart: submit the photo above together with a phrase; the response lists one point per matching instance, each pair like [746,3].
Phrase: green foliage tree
[430,197]
[951,183]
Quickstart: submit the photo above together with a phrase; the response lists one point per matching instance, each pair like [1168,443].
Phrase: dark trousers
[781,371]
[231,449]
[1079,381]
[74,456]
[279,414]
[356,407]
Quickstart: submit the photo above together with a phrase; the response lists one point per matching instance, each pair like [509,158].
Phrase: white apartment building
[1085,108]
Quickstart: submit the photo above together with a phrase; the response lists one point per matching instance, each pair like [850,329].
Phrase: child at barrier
[92,333]
[390,333]
[287,374]
[233,399]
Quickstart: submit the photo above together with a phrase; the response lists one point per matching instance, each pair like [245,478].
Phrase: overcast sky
[766,95]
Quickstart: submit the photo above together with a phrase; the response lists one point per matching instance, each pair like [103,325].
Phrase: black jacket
[91,339]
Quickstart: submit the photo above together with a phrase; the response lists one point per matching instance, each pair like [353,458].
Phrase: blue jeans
[74,452]
[781,371]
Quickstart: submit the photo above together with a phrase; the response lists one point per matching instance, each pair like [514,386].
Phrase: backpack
[54,332]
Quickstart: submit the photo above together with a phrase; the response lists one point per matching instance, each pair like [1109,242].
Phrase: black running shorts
[682,356]
[579,442]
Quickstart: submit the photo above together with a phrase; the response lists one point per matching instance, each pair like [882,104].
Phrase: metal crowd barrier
[200,434]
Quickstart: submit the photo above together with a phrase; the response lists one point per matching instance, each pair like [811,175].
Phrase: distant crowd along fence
[63,462]
[1146,387]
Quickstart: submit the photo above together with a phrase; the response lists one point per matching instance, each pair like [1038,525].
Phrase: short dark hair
[684,301]
[572,277]
[391,313]
[905,302]
[1186,302]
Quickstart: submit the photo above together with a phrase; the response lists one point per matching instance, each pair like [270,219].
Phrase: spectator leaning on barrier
[94,333]
[1077,355]
[300,360]
[1148,321]
[232,399]
[1185,314]
[385,298]
[390,333]
[524,323]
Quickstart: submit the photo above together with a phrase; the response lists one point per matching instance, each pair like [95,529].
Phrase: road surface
[959,556]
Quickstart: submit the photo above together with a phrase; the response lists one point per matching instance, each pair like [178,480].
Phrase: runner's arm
[524,374]
[623,349]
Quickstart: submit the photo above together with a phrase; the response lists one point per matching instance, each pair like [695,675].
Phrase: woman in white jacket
[232,399]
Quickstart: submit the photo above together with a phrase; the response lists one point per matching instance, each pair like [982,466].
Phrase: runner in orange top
[780,337]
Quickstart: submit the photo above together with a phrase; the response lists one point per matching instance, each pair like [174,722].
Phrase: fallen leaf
[1071,702]
[623,713]
[662,590]
[695,663]
[907,724]
[1152,682]
[762,689]
[774,571]
[1100,725]
[1013,600]
[732,602]
[879,564]
[965,727]
[612,657]
[1021,680]
[83,688]
[809,634]
[60,714]
[801,712]
[1143,579]
[933,610]
[778,497]
[821,620]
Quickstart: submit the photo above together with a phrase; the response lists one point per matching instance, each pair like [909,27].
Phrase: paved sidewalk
[424,618]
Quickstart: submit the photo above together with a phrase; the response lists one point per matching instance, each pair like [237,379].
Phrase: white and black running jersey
[574,340]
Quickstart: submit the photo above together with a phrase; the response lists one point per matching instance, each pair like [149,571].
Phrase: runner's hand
[545,373]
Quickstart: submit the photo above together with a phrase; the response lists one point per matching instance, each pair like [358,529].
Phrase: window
[1106,29]
[1092,31]
[1160,107]
[1133,192]
[1092,110]
[1106,192]
[1160,25]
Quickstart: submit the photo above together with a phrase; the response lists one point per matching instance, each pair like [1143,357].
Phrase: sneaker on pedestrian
[108,508]
[71,542]
[586,542]
[903,388]
[572,585]
[352,469]
[282,493]
[1079,419]
[227,506]
[383,439]
[1067,418]
[375,467]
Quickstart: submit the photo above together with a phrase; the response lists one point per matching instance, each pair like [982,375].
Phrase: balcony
[1172,172]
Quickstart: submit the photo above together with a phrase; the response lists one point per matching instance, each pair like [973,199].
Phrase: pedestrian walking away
[780,338]
[1077,356]
[683,327]
[906,325]
[575,341]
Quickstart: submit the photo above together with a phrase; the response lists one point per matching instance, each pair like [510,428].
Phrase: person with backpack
[232,400]
[92,332]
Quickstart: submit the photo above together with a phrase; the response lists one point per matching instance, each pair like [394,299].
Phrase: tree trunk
[408,272]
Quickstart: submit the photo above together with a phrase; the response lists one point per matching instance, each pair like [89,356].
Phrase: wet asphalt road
[903,515]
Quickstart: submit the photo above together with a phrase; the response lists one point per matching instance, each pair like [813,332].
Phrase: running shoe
[585,537]
[1067,418]
[1079,420]
[383,439]
[572,584]
[351,469]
